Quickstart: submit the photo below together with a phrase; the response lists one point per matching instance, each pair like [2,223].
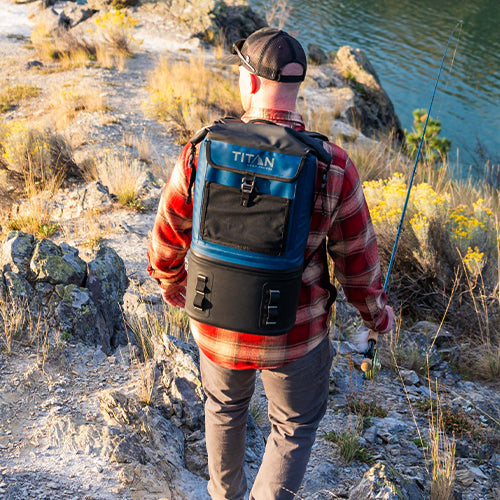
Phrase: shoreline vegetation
[87,100]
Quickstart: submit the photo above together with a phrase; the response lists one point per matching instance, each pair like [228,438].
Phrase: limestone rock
[107,281]
[181,379]
[434,333]
[57,265]
[18,288]
[316,55]
[74,313]
[373,110]
[78,14]
[165,443]
[17,252]
[233,21]
[215,18]
[386,484]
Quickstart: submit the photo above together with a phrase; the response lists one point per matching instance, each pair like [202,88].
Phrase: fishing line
[449,73]
[405,206]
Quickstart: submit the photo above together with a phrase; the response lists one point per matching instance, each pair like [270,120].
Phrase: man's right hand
[175,296]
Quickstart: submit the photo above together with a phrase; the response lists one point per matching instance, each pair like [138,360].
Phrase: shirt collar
[280,116]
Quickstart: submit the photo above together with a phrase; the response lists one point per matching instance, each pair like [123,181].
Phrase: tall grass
[188,95]
[68,101]
[120,174]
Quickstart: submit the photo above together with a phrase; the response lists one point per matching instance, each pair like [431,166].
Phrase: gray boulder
[57,265]
[107,281]
[73,312]
[54,283]
[373,110]
[316,55]
[18,288]
[17,252]
[213,19]
[181,380]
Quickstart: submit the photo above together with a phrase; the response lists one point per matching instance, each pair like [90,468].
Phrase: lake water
[405,41]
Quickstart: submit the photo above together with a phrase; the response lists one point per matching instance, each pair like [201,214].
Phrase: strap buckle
[247,187]
[272,307]
[199,298]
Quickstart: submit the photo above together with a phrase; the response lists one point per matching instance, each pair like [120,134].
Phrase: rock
[57,265]
[18,289]
[197,458]
[434,333]
[107,281]
[33,64]
[17,252]
[181,379]
[165,443]
[409,377]
[75,314]
[316,55]
[145,184]
[92,439]
[45,4]
[415,352]
[386,484]
[78,14]
[373,111]
[390,429]
[213,19]
[465,477]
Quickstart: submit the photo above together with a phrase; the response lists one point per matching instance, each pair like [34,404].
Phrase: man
[295,366]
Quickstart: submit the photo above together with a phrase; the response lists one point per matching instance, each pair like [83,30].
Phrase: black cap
[266,52]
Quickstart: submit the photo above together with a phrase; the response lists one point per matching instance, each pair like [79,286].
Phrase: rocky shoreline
[90,416]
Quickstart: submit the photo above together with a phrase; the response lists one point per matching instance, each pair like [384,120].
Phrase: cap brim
[230,59]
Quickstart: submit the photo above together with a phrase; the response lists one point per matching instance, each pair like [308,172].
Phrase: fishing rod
[371,364]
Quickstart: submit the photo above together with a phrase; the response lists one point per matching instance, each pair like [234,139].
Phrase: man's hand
[390,315]
[175,295]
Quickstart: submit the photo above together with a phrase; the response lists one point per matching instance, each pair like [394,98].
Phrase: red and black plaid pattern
[341,215]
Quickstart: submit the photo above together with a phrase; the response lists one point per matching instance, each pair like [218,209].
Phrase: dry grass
[41,156]
[12,322]
[70,100]
[442,455]
[187,95]
[62,47]
[14,95]
[120,174]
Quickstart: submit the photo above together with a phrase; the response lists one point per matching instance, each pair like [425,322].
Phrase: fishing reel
[370,366]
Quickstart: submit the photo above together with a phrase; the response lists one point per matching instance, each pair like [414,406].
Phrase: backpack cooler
[254,188]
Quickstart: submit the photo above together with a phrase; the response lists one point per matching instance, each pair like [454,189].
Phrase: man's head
[272,66]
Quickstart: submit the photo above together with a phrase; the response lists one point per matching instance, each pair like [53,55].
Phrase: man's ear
[254,83]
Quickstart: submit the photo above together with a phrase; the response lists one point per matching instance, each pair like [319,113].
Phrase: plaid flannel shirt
[340,215]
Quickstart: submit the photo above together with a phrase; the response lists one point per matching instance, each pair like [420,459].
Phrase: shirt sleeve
[171,235]
[352,245]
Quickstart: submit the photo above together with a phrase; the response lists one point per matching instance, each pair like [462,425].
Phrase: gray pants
[297,395]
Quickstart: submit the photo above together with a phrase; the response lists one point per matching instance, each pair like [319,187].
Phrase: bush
[41,156]
[433,147]
[444,250]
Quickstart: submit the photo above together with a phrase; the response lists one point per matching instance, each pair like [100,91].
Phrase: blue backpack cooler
[254,191]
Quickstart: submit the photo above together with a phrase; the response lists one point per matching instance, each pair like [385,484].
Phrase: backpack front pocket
[260,225]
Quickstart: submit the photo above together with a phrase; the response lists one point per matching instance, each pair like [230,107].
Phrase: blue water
[405,41]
